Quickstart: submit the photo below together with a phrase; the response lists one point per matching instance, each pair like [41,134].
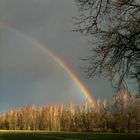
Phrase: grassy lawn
[42,135]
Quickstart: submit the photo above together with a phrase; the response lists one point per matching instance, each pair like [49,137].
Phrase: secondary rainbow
[79,83]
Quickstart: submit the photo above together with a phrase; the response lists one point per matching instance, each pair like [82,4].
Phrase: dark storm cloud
[50,22]
[25,13]
[28,75]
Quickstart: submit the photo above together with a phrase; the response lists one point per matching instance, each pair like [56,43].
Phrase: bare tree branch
[114,25]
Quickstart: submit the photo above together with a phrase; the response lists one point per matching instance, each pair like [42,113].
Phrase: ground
[43,135]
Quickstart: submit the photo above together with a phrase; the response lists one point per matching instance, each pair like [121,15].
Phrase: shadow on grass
[65,136]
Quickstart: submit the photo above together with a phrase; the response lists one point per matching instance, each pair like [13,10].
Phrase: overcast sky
[27,74]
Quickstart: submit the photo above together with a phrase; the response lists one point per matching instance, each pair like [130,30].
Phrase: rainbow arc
[74,77]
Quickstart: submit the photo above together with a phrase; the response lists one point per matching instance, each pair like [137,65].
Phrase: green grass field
[40,135]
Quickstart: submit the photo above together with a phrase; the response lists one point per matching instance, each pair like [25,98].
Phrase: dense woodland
[120,114]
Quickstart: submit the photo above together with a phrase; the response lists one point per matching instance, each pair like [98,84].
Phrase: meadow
[44,135]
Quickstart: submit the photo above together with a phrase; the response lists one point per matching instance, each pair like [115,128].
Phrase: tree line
[120,114]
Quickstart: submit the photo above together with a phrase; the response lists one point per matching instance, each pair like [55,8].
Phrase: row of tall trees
[121,114]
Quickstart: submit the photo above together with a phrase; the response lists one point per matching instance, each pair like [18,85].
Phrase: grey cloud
[28,75]
[31,73]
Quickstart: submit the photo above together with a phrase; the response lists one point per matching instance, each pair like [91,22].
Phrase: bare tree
[113,28]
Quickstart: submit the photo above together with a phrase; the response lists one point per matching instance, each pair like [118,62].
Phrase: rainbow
[69,71]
